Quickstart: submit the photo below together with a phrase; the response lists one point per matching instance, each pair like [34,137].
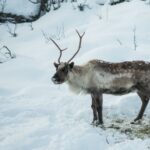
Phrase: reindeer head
[63,68]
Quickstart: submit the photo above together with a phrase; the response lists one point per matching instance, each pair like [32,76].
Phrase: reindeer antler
[60,50]
[79,46]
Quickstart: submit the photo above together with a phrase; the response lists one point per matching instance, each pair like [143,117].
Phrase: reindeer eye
[64,70]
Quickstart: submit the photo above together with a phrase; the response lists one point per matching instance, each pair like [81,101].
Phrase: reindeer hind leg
[145,100]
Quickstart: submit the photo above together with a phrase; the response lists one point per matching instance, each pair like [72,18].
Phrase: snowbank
[19,7]
[37,115]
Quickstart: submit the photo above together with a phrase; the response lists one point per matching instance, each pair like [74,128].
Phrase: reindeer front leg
[99,99]
[97,106]
[93,106]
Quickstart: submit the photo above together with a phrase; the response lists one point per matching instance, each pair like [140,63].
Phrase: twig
[45,36]
[59,34]
[134,38]
[8,52]
[119,41]
[31,26]
[3,5]
[107,140]
[13,33]
[82,6]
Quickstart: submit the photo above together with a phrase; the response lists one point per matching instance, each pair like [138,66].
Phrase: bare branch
[3,5]
[15,30]
[119,41]
[9,29]
[107,141]
[134,38]
[57,36]
[8,52]
[60,32]
[79,46]
[13,33]
[45,36]
[31,26]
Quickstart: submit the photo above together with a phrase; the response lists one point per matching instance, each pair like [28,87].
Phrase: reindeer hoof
[94,122]
[136,121]
[99,123]
[132,122]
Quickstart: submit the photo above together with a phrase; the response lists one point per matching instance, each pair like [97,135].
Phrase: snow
[35,114]
[19,7]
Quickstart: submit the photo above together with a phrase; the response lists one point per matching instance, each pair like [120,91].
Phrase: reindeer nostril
[53,79]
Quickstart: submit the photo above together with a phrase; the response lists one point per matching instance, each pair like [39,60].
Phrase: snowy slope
[35,114]
[19,7]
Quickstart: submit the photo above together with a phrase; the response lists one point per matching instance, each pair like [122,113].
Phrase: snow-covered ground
[35,114]
[19,7]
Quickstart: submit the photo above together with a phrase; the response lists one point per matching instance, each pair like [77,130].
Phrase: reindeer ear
[71,65]
[56,65]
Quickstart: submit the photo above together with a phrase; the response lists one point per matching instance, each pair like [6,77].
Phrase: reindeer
[99,77]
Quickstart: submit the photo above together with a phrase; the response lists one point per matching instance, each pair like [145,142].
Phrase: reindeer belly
[115,84]
[119,88]
[118,91]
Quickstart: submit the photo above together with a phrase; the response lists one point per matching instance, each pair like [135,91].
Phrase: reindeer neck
[76,79]
[76,72]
